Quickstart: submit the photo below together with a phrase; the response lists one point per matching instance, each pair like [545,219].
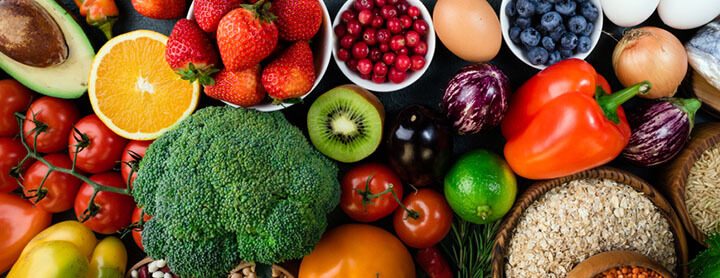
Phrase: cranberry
[375,54]
[380,69]
[393,2]
[403,51]
[354,28]
[388,58]
[406,21]
[388,12]
[396,76]
[377,22]
[369,36]
[347,15]
[418,62]
[379,3]
[365,76]
[360,50]
[378,79]
[352,64]
[343,54]
[402,62]
[365,17]
[397,42]
[361,5]
[340,30]
[364,66]
[347,41]
[421,26]
[384,47]
[394,25]
[402,7]
[421,48]
[412,38]
[413,11]
[383,36]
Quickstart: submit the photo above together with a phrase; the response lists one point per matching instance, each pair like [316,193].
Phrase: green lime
[480,187]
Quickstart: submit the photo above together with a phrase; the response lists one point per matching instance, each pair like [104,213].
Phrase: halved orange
[134,91]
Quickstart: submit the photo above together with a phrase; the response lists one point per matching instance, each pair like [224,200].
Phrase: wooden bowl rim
[538,189]
[601,262]
[705,136]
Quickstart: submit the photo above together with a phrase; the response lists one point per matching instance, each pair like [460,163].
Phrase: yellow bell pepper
[109,259]
[51,259]
[71,231]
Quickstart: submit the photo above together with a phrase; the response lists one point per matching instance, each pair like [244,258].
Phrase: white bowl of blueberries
[543,32]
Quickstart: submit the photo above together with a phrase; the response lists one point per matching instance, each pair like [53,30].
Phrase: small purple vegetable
[476,98]
[660,130]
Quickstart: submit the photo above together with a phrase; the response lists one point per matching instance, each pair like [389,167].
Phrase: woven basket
[238,269]
[704,137]
[507,227]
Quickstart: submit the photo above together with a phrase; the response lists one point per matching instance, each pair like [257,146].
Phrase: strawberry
[246,36]
[209,12]
[190,52]
[291,75]
[242,88]
[160,9]
[297,20]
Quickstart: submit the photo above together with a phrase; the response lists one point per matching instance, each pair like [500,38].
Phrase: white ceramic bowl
[387,86]
[520,52]
[321,47]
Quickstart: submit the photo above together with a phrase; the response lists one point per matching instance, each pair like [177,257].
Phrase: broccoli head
[229,185]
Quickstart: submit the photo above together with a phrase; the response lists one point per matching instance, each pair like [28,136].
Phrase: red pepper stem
[611,103]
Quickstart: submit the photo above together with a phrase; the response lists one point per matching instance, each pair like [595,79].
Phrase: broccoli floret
[230,184]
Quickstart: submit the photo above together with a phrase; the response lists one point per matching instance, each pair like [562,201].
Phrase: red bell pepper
[562,121]
[99,13]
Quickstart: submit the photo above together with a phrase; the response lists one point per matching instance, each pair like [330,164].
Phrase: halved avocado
[43,47]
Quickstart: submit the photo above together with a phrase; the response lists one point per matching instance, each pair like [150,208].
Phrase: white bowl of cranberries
[383,45]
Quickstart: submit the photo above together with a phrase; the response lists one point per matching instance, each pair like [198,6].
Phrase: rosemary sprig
[707,263]
[469,247]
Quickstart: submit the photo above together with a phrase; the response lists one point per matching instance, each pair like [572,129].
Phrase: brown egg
[469,28]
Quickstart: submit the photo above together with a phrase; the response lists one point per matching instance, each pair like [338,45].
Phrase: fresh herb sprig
[707,263]
[469,247]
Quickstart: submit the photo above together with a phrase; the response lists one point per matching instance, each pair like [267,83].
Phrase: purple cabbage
[660,130]
[476,99]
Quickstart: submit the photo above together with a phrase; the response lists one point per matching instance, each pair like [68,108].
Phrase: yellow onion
[652,54]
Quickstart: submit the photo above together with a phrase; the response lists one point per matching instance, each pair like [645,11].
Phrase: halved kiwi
[346,123]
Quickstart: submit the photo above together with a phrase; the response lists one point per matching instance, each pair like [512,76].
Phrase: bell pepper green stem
[611,103]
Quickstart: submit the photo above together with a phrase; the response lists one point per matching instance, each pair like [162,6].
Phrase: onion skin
[660,130]
[476,99]
[652,54]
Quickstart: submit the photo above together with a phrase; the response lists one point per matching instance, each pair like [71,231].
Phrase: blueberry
[522,22]
[550,20]
[530,37]
[577,24]
[568,41]
[525,8]
[543,7]
[510,9]
[588,30]
[566,53]
[589,11]
[584,44]
[515,34]
[566,7]
[548,43]
[537,55]
[553,1]
[554,57]
[556,33]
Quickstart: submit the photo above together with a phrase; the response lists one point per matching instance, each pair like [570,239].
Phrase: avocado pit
[29,35]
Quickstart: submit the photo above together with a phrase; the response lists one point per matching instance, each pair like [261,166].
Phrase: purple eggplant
[476,98]
[660,130]
[419,146]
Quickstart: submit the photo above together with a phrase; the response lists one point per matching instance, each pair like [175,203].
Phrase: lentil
[629,272]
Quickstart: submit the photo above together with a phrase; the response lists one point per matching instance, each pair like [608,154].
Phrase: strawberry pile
[261,48]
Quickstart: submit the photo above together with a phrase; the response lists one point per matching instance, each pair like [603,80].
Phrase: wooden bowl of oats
[614,264]
[693,182]
[557,224]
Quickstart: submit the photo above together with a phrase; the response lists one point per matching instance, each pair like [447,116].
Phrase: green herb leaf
[469,247]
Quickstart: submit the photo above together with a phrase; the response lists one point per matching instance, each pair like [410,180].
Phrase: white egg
[627,13]
[688,14]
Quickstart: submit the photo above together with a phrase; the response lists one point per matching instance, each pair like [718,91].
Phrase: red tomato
[58,115]
[104,148]
[20,222]
[360,199]
[133,150]
[11,152]
[14,97]
[432,262]
[115,210]
[137,233]
[59,188]
[434,218]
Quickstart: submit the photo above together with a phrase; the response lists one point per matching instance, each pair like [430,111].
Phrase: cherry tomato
[137,233]
[58,115]
[114,209]
[365,196]
[14,97]
[434,218]
[60,188]
[133,150]
[20,222]
[11,152]
[104,147]
[358,250]
[433,263]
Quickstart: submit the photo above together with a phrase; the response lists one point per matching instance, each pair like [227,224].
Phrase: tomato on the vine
[59,189]
[57,117]
[132,154]
[21,221]
[11,153]
[114,210]
[14,97]
[102,147]
[366,192]
[137,232]
[426,221]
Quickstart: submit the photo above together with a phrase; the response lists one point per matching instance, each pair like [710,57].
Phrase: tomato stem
[369,196]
